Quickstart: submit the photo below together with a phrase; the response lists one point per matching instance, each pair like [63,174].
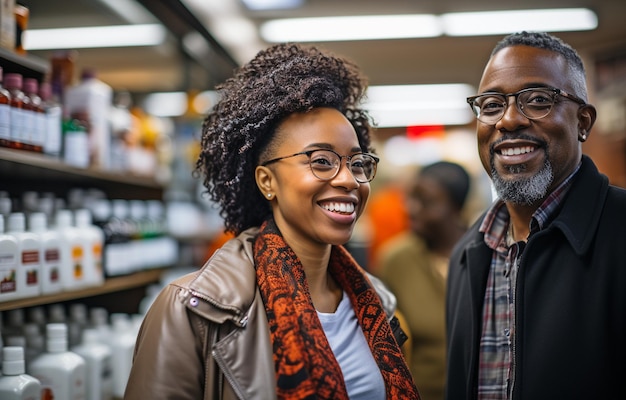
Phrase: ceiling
[434,60]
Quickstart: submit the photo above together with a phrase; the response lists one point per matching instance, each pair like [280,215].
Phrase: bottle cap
[45,90]
[31,86]
[82,217]
[63,218]
[37,222]
[56,333]
[12,360]
[13,81]
[17,222]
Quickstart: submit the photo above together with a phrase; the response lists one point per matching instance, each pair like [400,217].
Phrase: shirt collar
[496,219]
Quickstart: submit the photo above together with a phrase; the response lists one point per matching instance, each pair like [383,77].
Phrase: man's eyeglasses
[533,103]
[325,164]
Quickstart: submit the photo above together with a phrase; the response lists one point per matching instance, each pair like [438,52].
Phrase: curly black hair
[279,81]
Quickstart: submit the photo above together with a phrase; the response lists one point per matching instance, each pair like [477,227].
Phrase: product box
[7,24]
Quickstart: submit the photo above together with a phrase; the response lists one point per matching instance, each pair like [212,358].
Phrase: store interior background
[197,53]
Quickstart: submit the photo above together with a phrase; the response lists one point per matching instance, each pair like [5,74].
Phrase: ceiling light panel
[371,27]
[379,27]
[504,22]
[93,37]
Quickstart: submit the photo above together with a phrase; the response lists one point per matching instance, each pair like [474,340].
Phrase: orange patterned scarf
[305,365]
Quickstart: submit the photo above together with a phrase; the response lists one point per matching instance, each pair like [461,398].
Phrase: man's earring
[582,137]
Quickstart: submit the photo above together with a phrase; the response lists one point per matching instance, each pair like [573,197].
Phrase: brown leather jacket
[206,336]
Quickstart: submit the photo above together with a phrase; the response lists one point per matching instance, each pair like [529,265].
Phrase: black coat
[571,301]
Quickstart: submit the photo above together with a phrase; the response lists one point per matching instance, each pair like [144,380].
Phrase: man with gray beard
[522,190]
[536,296]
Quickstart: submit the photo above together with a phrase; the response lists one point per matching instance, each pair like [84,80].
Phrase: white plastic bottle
[72,251]
[98,357]
[8,264]
[123,345]
[50,253]
[29,260]
[13,322]
[35,342]
[56,313]
[77,322]
[53,120]
[99,320]
[93,244]
[15,384]
[119,251]
[62,373]
[93,98]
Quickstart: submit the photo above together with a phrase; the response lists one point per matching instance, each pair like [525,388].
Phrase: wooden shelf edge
[35,160]
[111,285]
[26,61]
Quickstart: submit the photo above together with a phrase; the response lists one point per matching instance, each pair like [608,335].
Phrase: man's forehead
[524,65]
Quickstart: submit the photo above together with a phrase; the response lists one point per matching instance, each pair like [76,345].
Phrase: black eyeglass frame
[308,153]
[555,92]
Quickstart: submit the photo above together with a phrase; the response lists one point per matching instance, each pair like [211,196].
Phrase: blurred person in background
[536,304]
[386,218]
[414,265]
[282,310]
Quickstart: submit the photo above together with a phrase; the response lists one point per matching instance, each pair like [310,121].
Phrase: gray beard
[523,191]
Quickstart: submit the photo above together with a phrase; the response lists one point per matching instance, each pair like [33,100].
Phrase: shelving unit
[27,65]
[22,171]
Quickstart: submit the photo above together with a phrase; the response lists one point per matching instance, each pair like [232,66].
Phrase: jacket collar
[228,280]
[580,216]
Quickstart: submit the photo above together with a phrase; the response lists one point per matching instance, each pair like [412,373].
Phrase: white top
[360,371]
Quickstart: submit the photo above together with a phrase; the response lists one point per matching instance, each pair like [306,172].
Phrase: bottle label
[17,124]
[28,133]
[8,273]
[30,260]
[77,262]
[39,138]
[52,131]
[51,259]
[5,121]
[77,148]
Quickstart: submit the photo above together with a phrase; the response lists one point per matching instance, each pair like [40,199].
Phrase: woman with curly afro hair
[282,310]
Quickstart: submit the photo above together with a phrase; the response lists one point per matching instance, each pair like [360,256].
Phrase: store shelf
[26,65]
[24,170]
[111,285]
[35,163]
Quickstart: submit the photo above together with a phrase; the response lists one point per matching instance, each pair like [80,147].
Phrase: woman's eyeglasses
[533,103]
[325,164]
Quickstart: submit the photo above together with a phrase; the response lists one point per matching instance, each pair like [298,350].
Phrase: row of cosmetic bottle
[43,363]
[37,259]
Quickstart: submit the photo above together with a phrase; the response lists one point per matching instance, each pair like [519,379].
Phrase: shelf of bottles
[111,285]
[131,258]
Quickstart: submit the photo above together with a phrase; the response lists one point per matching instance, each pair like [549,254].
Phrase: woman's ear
[586,118]
[264,180]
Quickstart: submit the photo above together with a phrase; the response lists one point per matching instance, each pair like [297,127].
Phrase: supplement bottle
[62,373]
[15,384]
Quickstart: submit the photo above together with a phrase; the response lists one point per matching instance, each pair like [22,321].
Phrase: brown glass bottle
[13,83]
[5,115]
[36,116]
